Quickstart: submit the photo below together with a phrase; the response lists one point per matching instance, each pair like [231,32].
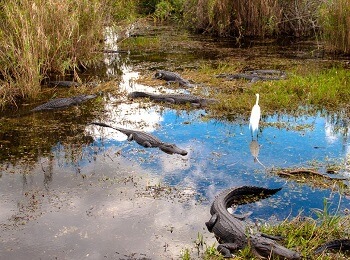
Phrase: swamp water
[70,190]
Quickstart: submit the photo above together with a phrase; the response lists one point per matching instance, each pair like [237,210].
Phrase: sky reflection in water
[97,202]
[219,151]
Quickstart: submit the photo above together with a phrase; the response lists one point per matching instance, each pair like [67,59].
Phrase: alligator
[174,98]
[172,77]
[63,102]
[146,140]
[231,231]
[255,75]
[63,83]
[337,244]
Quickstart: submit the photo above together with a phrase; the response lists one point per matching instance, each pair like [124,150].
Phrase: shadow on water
[70,189]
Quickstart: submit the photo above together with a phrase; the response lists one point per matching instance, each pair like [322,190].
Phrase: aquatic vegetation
[314,178]
[300,93]
[322,89]
[137,43]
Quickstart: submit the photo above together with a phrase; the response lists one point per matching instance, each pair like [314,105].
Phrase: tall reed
[253,17]
[227,18]
[335,20]
[38,37]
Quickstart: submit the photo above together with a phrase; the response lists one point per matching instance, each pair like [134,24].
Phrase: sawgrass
[39,37]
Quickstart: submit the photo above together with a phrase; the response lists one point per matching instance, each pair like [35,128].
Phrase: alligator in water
[232,232]
[174,98]
[146,140]
[337,244]
[256,75]
[63,102]
[63,83]
[172,77]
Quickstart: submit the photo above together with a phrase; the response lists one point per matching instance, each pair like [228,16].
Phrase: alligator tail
[337,244]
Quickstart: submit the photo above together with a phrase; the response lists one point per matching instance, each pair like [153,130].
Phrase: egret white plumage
[255,116]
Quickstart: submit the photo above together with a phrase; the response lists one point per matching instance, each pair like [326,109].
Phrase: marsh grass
[302,234]
[326,89]
[253,18]
[306,234]
[305,91]
[140,43]
[42,37]
[334,18]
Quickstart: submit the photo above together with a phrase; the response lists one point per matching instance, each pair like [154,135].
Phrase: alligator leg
[171,82]
[146,144]
[130,137]
[170,100]
[226,249]
[210,224]
[242,216]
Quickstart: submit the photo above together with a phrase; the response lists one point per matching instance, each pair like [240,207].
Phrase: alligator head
[159,74]
[171,149]
[81,98]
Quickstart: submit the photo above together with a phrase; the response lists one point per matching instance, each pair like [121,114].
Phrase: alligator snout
[171,149]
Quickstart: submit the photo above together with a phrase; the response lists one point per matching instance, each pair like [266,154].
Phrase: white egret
[255,116]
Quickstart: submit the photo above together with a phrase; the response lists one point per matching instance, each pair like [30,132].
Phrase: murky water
[70,190]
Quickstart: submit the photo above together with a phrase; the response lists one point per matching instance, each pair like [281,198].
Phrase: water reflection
[111,56]
[254,148]
[79,171]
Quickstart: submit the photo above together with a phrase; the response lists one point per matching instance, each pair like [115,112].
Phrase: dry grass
[41,37]
[254,17]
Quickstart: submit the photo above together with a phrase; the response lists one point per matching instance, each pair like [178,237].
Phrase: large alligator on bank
[174,98]
[58,103]
[146,140]
[232,232]
[256,75]
[172,77]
